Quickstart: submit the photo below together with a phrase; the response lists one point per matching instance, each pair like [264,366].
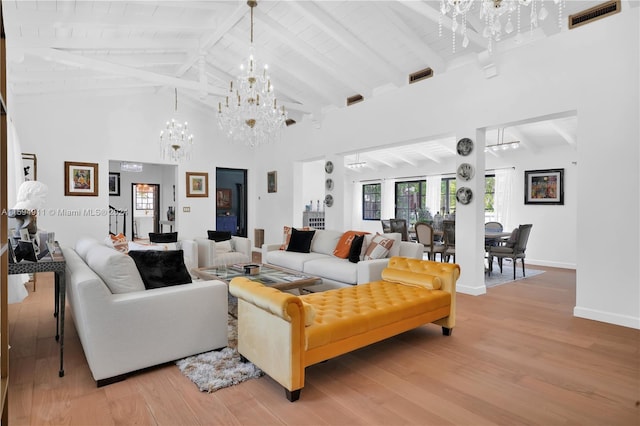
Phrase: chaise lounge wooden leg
[447,331]
[293,396]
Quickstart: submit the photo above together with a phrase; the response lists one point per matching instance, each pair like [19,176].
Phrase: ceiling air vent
[354,99]
[420,75]
[290,121]
[594,13]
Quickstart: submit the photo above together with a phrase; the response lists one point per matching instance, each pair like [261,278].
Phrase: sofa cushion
[117,270]
[155,246]
[286,236]
[83,245]
[161,268]
[300,241]
[223,246]
[349,311]
[378,248]
[332,268]
[343,248]
[167,237]
[395,248]
[325,241]
[356,249]
[219,235]
[290,259]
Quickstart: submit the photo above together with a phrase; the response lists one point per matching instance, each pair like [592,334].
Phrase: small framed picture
[114,183]
[223,198]
[24,234]
[272,181]
[544,186]
[197,184]
[80,178]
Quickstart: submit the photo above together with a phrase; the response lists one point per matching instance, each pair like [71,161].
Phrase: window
[144,197]
[411,201]
[448,196]
[371,201]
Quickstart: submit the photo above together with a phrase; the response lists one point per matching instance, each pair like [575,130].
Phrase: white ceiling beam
[422,50]
[78,86]
[402,158]
[429,157]
[100,43]
[336,71]
[330,25]
[206,42]
[568,138]
[530,145]
[433,15]
[110,68]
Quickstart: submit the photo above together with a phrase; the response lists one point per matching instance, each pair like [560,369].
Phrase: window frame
[374,212]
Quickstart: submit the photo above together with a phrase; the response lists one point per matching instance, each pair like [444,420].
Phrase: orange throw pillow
[344,244]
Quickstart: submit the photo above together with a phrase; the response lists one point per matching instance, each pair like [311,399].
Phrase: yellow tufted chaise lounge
[283,334]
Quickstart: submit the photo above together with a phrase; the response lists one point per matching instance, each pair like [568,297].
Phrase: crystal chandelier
[250,111]
[492,12]
[175,141]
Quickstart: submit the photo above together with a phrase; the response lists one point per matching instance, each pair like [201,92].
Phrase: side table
[55,263]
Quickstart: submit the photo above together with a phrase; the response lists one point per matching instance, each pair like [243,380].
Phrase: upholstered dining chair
[493,227]
[425,236]
[513,249]
[449,236]
[386,225]
[400,225]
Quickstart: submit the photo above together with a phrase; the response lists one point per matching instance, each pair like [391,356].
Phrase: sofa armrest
[371,270]
[266,248]
[190,249]
[271,331]
[242,245]
[411,249]
[129,331]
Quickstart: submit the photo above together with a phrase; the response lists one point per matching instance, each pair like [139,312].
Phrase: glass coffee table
[269,275]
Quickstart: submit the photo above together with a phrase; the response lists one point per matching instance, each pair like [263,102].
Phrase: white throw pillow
[224,246]
[83,245]
[117,270]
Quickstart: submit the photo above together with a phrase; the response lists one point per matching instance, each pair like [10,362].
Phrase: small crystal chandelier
[491,12]
[175,141]
[250,111]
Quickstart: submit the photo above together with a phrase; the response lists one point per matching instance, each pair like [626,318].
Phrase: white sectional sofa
[123,327]
[334,271]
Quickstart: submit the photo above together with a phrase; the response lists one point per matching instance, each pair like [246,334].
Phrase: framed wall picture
[30,166]
[197,184]
[272,181]
[80,178]
[544,186]
[114,183]
[223,198]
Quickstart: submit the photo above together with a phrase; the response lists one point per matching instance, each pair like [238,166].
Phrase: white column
[470,218]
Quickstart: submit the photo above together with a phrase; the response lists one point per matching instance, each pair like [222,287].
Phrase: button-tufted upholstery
[271,324]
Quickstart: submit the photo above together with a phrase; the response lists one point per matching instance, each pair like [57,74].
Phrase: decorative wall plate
[328,167]
[328,200]
[466,171]
[328,184]
[464,146]
[464,195]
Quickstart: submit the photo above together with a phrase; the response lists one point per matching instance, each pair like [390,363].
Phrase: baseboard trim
[473,291]
[608,317]
[564,265]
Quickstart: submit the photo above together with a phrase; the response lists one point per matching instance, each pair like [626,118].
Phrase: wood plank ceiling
[319,52]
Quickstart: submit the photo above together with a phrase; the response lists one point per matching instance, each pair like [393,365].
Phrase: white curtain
[433,193]
[503,197]
[16,291]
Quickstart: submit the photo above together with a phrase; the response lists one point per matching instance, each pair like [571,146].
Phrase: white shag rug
[215,370]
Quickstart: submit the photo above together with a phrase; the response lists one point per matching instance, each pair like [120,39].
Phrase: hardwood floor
[516,356]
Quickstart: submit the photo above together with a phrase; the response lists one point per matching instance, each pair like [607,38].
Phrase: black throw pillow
[356,248]
[300,241]
[218,236]
[160,268]
[167,237]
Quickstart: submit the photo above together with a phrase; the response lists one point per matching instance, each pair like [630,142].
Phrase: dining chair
[425,236]
[400,225]
[449,236]
[514,249]
[386,225]
[493,227]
